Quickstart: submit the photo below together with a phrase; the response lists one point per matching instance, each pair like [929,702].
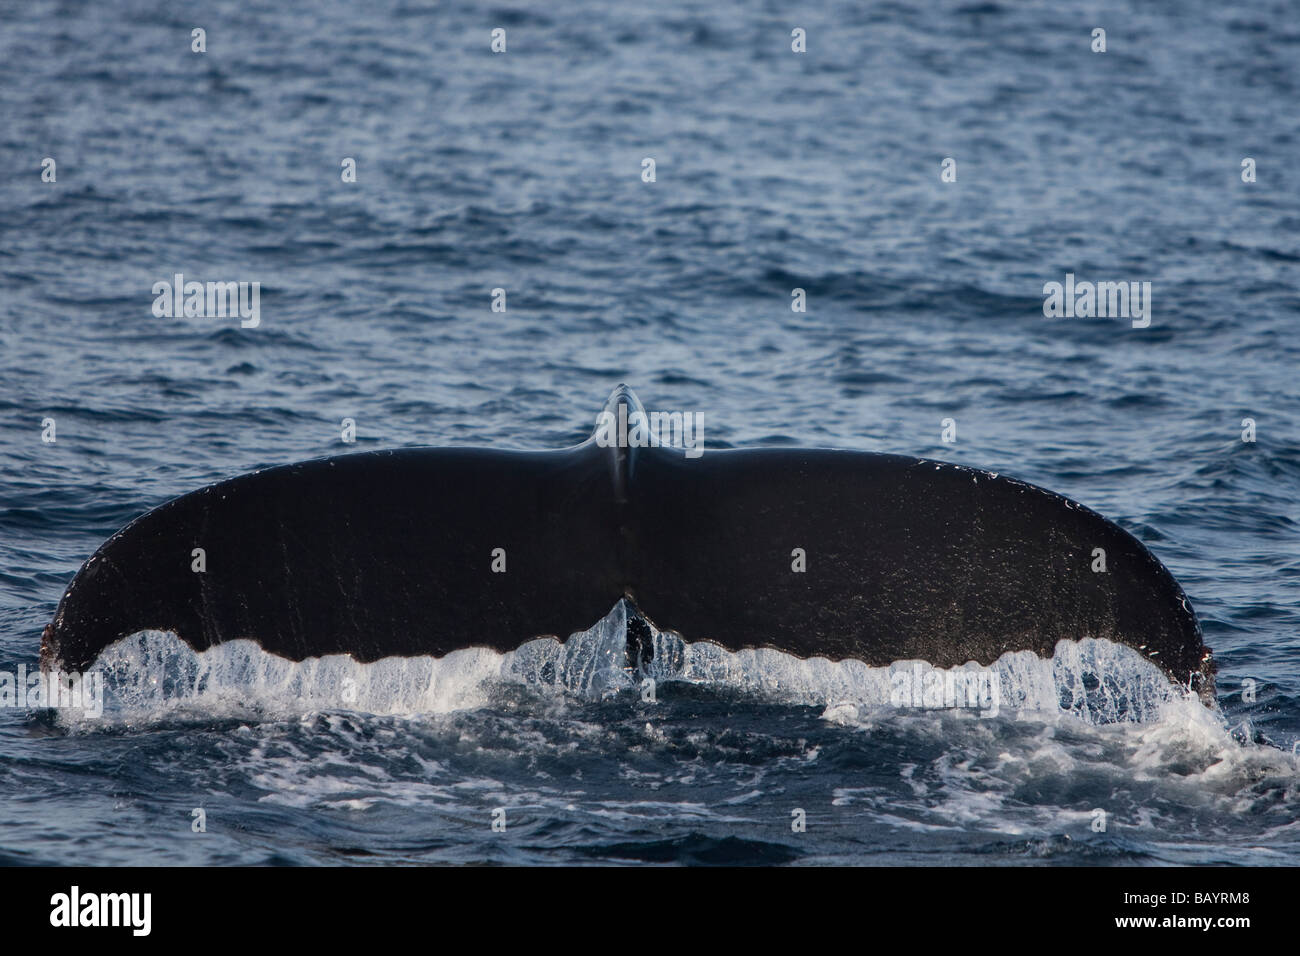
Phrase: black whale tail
[813,552]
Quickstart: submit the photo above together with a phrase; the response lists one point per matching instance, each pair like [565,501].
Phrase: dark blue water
[774,170]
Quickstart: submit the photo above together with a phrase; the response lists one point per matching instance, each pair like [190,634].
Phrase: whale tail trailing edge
[812,552]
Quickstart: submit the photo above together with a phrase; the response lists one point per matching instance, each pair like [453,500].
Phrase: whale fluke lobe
[384,553]
[813,552]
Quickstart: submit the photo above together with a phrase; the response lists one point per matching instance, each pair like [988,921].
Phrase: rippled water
[774,171]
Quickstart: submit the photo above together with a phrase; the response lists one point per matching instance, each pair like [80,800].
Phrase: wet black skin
[391,553]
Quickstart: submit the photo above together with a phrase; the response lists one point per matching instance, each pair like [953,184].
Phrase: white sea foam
[1096,728]
[153,675]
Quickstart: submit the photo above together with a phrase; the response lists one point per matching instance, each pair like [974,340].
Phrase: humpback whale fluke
[813,552]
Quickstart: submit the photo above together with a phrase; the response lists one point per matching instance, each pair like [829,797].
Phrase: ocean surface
[773,171]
